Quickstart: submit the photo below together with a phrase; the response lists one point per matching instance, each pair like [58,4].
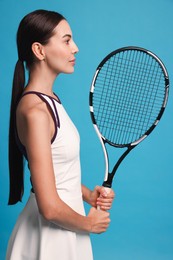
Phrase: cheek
[57,55]
[57,59]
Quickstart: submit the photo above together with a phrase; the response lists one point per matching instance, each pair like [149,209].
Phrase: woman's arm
[98,197]
[35,131]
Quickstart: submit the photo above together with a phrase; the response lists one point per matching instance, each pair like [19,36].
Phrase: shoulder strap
[50,101]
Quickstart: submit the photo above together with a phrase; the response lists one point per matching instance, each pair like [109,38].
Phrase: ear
[38,50]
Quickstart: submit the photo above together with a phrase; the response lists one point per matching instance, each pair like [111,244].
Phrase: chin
[69,71]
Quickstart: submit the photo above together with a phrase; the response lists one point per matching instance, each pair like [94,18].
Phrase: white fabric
[33,237]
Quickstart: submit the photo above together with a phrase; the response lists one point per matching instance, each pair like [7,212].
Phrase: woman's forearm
[89,196]
[62,215]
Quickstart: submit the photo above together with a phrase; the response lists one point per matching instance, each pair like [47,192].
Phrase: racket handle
[108,190]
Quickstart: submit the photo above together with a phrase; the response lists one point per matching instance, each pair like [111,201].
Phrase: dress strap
[51,102]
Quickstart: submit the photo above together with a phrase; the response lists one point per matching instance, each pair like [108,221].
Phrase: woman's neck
[41,80]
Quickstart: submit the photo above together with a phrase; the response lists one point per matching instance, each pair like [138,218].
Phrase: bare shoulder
[32,109]
[32,119]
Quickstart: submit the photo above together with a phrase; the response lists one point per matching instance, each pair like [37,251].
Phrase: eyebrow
[67,35]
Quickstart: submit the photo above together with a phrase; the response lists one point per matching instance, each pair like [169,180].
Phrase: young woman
[53,224]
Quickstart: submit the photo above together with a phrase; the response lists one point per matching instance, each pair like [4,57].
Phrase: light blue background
[142,214]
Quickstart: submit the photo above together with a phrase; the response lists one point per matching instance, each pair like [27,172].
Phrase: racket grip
[108,190]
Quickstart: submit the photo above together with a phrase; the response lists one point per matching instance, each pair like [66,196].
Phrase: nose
[75,48]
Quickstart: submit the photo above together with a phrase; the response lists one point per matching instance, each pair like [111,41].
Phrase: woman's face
[61,49]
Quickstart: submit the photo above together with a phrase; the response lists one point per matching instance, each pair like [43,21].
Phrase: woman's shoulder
[32,108]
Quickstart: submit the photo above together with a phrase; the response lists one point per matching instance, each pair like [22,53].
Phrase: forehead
[62,29]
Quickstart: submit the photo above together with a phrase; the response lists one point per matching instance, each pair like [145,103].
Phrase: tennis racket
[128,96]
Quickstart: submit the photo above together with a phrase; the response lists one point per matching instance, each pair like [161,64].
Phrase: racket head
[128,95]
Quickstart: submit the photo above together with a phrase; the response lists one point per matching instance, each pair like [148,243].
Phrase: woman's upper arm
[36,137]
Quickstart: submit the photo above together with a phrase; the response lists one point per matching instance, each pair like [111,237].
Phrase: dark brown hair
[37,26]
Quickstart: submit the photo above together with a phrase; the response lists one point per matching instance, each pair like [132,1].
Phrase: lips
[72,61]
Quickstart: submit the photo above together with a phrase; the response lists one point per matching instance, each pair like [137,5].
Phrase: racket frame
[109,175]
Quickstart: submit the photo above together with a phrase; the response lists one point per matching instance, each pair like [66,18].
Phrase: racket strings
[122,66]
[124,92]
[128,95]
[146,103]
[156,94]
[130,100]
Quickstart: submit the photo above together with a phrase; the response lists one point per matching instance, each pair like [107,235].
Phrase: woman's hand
[99,220]
[102,198]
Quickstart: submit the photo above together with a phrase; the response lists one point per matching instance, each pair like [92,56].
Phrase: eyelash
[67,41]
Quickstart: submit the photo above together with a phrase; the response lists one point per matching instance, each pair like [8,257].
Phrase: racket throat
[108,182]
[109,177]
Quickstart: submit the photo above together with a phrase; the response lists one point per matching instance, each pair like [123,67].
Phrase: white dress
[35,238]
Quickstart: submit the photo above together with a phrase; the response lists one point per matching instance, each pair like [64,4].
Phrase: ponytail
[15,156]
[37,26]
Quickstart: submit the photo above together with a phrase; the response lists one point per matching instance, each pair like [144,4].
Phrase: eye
[67,41]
